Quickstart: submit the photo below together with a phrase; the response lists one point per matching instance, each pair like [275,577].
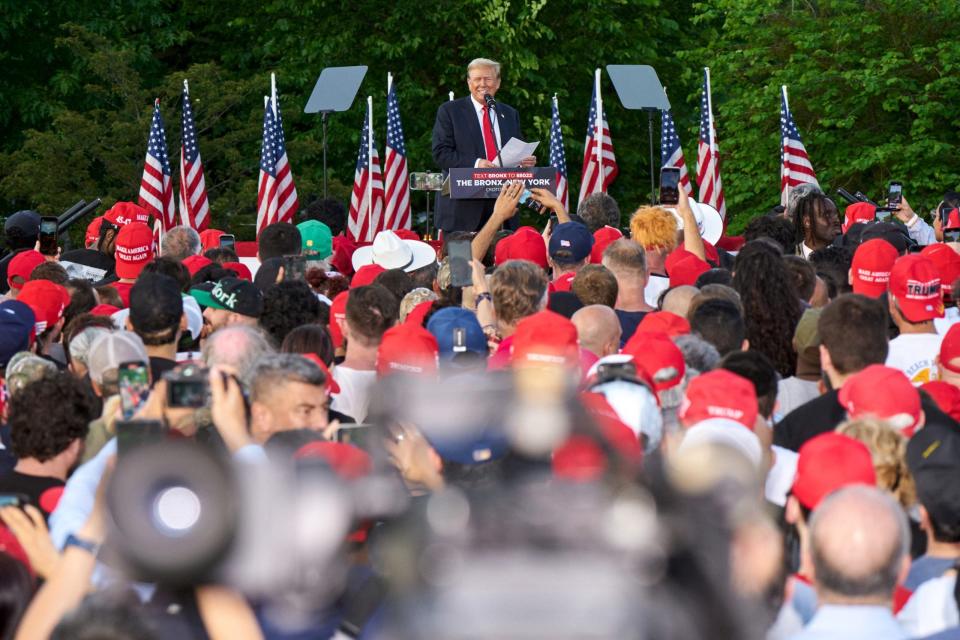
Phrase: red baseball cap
[603,238]
[347,461]
[332,386]
[947,262]
[407,234]
[719,394]
[47,300]
[123,213]
[829,462]
[523,244]
[104,309]
[946,395]
[210,239]
[407,348]
[882,392]
[858,212]
[419,312]
[686,270]
[134,249]
[663,322]
[545,338]
[950,348]
[915,284]
[871,267]
[195,263]
[710,251]
[580,458]
[240,269]
[366,275]
[659,357]
[338,311]
[93,231]
[22,265]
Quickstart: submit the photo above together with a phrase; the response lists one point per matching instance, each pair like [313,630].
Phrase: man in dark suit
[463,136]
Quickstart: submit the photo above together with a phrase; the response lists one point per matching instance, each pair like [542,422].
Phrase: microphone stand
[491,108]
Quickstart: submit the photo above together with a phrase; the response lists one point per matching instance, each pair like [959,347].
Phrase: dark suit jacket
[458,142]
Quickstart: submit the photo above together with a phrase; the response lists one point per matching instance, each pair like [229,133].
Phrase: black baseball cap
[933,456]
[232,294]
[155,303]
[22,225]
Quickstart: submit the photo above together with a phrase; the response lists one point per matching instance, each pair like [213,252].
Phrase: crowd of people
[617,430]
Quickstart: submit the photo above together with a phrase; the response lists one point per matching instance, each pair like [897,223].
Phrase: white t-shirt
[951,315]
[931,609]
[354,397]
[781,476]
[913,353]
[655,286]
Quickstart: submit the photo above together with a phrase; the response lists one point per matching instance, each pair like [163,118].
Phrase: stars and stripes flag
[396,210]
[194,206]
[708,153]
[795,167]
[671,153]
[276,194]
[156,185]
[599,164]
[558,159]
[366,201]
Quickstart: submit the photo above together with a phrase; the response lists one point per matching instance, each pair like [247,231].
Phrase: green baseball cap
[316,239]
[231,294]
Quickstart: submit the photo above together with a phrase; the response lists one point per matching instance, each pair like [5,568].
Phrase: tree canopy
[873,87]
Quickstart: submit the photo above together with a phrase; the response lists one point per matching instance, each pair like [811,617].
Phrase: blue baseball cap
[570,242]
[457,331]
[16,324]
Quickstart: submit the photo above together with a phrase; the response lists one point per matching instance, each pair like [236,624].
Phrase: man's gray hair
[179,243]
[239,347]
[860,508]
[484,62]
[276,369]
[699,355]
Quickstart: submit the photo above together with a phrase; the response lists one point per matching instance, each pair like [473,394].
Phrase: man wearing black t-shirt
[48,423]
[853,335]
[627,261]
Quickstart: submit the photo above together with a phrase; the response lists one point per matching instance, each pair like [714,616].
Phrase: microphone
[490,102]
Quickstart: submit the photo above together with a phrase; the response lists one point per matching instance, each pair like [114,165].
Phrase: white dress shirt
[496,125]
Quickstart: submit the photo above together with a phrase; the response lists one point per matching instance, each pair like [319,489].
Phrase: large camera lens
[174,510]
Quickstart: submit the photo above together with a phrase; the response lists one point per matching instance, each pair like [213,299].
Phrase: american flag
[366,201]
[276,193]
[396,211]
[558,159]
[795,167]
[671,153]
[598,137]
[156,185]
[708,153]
[194,207]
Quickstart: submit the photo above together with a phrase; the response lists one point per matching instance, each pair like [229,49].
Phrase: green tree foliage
[873,86]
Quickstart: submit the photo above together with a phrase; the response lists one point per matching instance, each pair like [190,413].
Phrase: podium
[485,184]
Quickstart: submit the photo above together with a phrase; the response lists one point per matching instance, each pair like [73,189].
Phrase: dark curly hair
[770,302]
[329,285]
[47,415]
[286,306]
[808,207]
[778,229]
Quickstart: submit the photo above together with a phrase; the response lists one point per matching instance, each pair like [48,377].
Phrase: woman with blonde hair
[888,449]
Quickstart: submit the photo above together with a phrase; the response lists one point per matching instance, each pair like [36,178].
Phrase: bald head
[859,546]
[678,299]
[598,329]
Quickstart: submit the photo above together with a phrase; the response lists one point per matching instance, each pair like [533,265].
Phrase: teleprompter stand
[335,90]
[638,87]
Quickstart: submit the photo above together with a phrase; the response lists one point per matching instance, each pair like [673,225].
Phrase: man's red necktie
[489,142]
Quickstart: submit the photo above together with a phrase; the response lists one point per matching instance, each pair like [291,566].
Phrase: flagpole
[389,81]
[184,210]
[785,188]
[598,135]
[451,96]
[370,165]
[273,92]
[706,71]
